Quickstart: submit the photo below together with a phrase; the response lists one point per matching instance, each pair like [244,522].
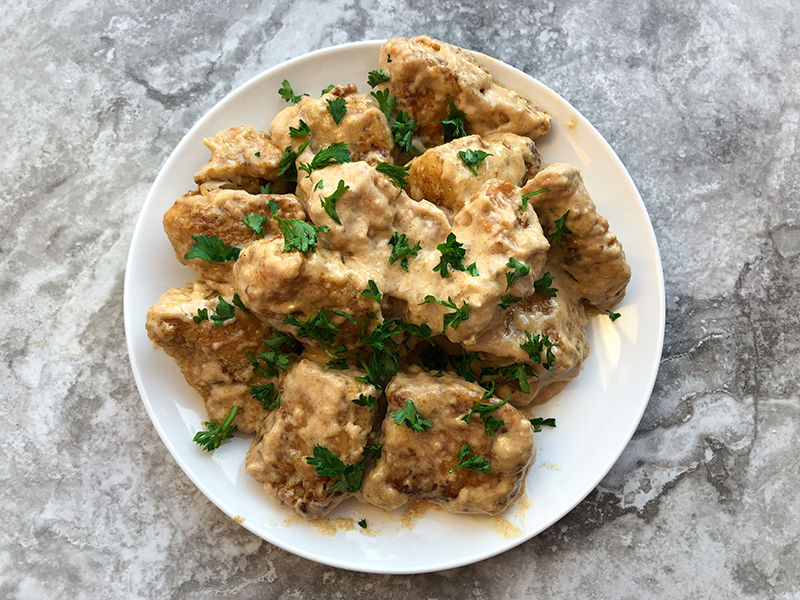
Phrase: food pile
[386,282]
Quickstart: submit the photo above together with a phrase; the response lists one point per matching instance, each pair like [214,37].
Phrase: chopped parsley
[347,478]
[507,301]
[366,400]
[373,451]
[373,291]
[542,285]
[302,130]
[490,423]
[403,132]
[453,124]
[395,172]
[538,422]
[472,159]
[453,253]
[266,394]
[337,152]
[409,415]
[518,269]
[453,319]
[521,372]
[362,523]
[327,89]
[287,167]
[282,349]
[529,194]
[329,202]
[266,188]
[561,229]
[401,250]
[535,345]
[256,223]
[463,365]
[212,249]
[337,107]
[470,461]
[318,328]
[386,102]
[287,93]
[613,315]
[299,235]
[377,77]
[212,439]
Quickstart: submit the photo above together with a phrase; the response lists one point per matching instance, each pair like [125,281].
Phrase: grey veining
[699,99]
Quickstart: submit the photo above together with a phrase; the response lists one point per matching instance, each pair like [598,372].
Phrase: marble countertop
[699,100]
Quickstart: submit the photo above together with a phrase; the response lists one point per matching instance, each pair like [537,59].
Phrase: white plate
[596,414]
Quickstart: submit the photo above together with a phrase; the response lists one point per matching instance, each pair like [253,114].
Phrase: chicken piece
[503,344]
[363,128]
[420,464]
[317,409]
[212,359]
[590,252]
[240,157]
[273,283]
[220,212]
[493,229]
[365,210]
[441,176]
[424,73]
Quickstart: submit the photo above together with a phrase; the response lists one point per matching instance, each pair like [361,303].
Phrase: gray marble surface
[700,101]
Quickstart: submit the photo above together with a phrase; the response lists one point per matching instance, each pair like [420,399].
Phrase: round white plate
[596,414]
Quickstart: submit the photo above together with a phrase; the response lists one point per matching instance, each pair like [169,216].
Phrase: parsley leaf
[266,188]
[337,152]
[472,159]
[521,372]
[463,365]
[287,93]
[373,292]
[267,395]
[421,331]
[401,250]
[337,107]
[537,423]
[471,463]
[453,319]
[529,194]
[347,478]
[507,300]
[256,223]
[535,345]
[409,415]
[318,328]
[490,423]
[212,439]
[329,202]
[224,312]
[367,401]
[403,131]
[202,315]
[212,249]
[520,269]
[561,228]
[613,315]
[386,102]
[287,165]
[327,89]
[302,130]
[435,358]
[362,523]
[453,253]
[373,451]
[279,356]
[377,77]
[395,172]
[453,124]
[299,235]
[542,285]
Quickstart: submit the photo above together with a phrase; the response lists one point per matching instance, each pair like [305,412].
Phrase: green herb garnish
[210,440]
[472,159]
[329,202]
[395,172]
[409,415]
[538,422]
[453,124]
[519,269]
[401,250]
[453,319]
[470,461]
[347,478]
[542,285]
[377,77]
[529,194]
[212,249]
[287,93]
[561,229]
[266,394]
[302,130]
[337,107]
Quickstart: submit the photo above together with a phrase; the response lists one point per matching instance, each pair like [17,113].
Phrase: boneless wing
[425,73]
[213,359]
[317,409]
[590,253]
[419,464]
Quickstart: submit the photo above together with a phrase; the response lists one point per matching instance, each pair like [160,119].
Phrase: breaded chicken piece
[273,283]
[317,409]
[441,176]
[241,157]
[212,359]
[493,228]
[424,73]
[363,128]
[220,212]
[419,464]
[590,253]
[562,318]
